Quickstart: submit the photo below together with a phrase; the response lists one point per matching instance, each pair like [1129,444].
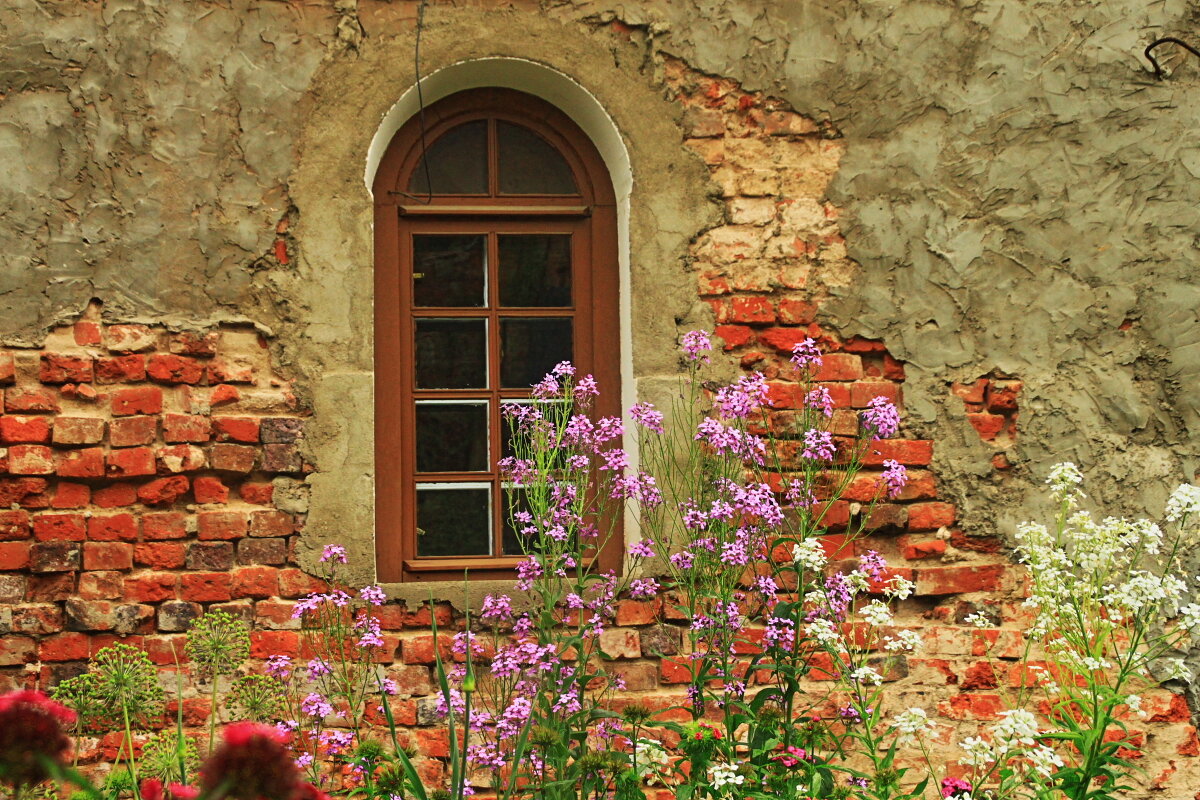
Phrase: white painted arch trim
[586,111]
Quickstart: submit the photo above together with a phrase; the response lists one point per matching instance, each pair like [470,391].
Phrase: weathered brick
[928,548]
[114,495]
[222,370]
[7,369]
[164,525]
[281,430]
[60,527]
[133,618]
[751,310]
[63,647]
[259,494]
[107,555]
[281,458]
[660,640]
[89,615]
[264,644]
[255,581]
[131,462]
[30,400]
[30,459]
[17,650]
[78,430]
[50,588]
[37,619]
[171,368]
[14,525]
[180,458]
[186,428]
[20,490]
[262,551]
[194,343]
[177,615]
[233,457]
[221,525]
[210,489]
[130,338]
[620,643]
[297,583]
[132,431]
[55,556]
[87,462]
[271,524]
[121,369]
[14,556]
[163,491]
[159,555]
[62,368]
[930,516]
[988,426]
[959,579]
[71,495]
[223,395]
[909,452]
[102,585]
[151,587]
[235,429]
[206,587]
[137,400]
[210,555]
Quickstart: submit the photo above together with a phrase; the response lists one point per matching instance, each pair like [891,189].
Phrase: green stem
[212,713]
[137,790]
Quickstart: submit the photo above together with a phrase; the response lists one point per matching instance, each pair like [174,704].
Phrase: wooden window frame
[590,216]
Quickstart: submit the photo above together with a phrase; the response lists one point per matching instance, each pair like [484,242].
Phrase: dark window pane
[449,270]
[529,348]
[529,165]
[535,270]
[453,522]
[457,163]
[514,502]
[452,437]
[451,353]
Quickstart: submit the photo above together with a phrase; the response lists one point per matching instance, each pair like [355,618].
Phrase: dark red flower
[31,732]
[253,763]
[306,791]
[180,792]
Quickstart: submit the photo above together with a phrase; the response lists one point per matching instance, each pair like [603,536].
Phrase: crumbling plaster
[1019,192]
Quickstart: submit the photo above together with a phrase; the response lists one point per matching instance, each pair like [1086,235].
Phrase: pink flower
[881,418]
[333,552]
[818,445]
[31,734]
[643,588]
[806,355]
[820,399]
[252,763]
[645,415]
[894,477]
[695,344]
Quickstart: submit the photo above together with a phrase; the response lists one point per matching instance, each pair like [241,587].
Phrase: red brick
[86,332]
[797,312]
[53,588]
[85,463]
[194,343]
[137,400]
[71,495]
[131,462]
[909,452]
[271,523]
[60,527]
[637,612]
[78,430]
[166,650]
[209,489]
[840,367]
[264,644]
[114,495]
[233,457]
[734,335]
[970,392]
[163,491]
[222,371]
[972,706]
[751,310]
[921,486]
[235,429]
[170,368]
[121,369]
[863,392]
[24,430]
[103,585]
[14,555]
[783,339]
[988,426]
[930,516]
[159,555]
[258,582]
[130,338]
[64,647]
[164,525]
[21,401]
[151,587]
[959,580]
[132,431]
[61,368]
[924,549]
[205,587]
[297,583]
[674,671]
[7,368]
[14,525]
[80,391]
[224,394]
[419,649]
[259,494]
[180,458]
[113,528]
[107,555]
[221,525]
[186,428]
[1003,396]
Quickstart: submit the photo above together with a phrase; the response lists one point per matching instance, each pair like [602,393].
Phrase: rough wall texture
[993,202]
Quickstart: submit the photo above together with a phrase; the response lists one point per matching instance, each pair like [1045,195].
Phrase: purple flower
[695,344]
[818,445]
[873,565]
[820,400]
[518,471]
[642,548]
[316,706]
[546,388]
[895,477]
[586,389]
[647,416]
[389,687]
[318,668]
[683,561]
[333,552]
[806,355]
[615,459]
[373,595]
[279,667]
[881,418]
[498,607]
[740,400]
[643,588]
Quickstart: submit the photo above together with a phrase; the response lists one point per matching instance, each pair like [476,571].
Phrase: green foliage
[218,643]
[79,694]
[170,756]
[127,681]
[256,697]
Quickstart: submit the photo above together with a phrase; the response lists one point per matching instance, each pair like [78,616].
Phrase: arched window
[495,259]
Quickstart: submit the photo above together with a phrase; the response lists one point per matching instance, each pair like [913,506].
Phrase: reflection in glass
[451,353]
[449,270]
[454,521]
[529,164]
[452,437]
[530,347]
[457,163]
[535,270]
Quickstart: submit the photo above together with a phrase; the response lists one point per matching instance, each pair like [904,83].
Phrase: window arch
[495,258]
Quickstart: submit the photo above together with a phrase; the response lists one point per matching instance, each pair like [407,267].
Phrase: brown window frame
[590,216]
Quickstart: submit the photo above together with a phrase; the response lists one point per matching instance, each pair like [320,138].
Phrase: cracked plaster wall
[1019,192]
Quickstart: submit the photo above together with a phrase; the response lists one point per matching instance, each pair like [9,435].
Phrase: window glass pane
[535,270]
[452,437]
[450,270]
[514,501]
[457,163]
[453,521]
[530,347]
[529,164]
[451,353]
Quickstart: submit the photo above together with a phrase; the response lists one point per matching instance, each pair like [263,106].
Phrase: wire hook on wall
[1158,70]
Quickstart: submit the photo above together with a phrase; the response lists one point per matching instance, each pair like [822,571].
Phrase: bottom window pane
[515,501]
[454,521]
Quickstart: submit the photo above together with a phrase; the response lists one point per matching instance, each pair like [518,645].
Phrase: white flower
[1135,705]
[809,554]
[652,760]
[1064,481]
[826,634]
[1044,760]
[899,587]
[876,613]
[978,620]
[1016,728]
[907,641]
[911,722]
[979,753]
[1190,615]
[1183,502]
[866,675]
[725,775]
[1177,671]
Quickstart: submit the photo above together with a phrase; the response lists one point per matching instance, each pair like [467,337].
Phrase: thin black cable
[421,104]
[1158,71]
